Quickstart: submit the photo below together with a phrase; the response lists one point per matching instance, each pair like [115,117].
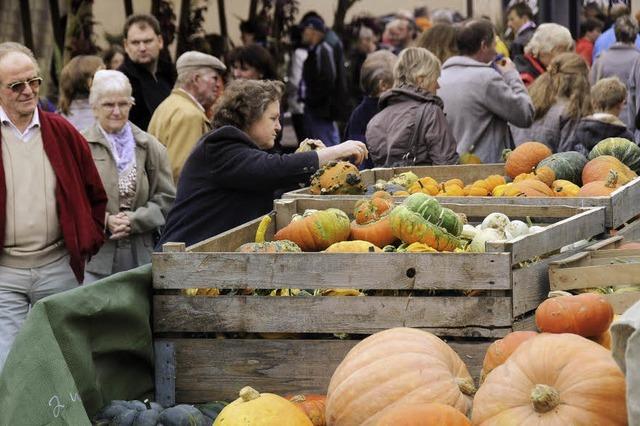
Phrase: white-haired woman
[411,127]
[136,175]
[547,42]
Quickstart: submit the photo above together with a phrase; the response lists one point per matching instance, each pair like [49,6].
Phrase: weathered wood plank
[622,301]
[567,231]
[617,275]
[525,323]
[630,231]
[358,315]
[216,369]
[165,372]
[452,271]
[233,238]
[624,203]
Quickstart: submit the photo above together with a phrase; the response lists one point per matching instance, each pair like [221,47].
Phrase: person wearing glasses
[135,172]
[181,119]
[151,77]
[52,202]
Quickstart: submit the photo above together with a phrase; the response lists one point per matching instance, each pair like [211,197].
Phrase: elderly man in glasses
[52,202]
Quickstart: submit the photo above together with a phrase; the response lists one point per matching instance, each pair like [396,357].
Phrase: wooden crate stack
[195,363]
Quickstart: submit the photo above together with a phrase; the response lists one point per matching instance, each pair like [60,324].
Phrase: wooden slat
[233,238]
[525,323]
[617,275]
[216,369]
[630,231]
[570,230]
[622,301]
[360,315]
[453,271]
[624,203]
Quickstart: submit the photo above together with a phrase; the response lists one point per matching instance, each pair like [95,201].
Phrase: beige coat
[178,123]
[155,193]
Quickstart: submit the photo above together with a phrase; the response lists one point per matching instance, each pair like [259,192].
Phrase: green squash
[411,227]
[283,246]
[566,165]
[431,210]
[212,409]
[129,413]
[181,415]
[621,148]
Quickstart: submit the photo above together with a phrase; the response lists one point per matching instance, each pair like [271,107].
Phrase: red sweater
[80,196]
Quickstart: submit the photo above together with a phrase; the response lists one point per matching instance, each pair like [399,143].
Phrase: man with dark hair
[481,96]
[252,32]
[151,78]
[520,20]
[590,29]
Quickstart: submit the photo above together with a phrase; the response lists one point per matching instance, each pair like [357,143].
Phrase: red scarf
[80,196]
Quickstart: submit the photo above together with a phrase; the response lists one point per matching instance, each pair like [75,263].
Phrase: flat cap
[194,59]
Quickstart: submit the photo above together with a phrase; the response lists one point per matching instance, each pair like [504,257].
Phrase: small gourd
[261,409]
[565,188]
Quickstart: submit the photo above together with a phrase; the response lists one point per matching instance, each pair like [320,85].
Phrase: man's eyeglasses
[19,86]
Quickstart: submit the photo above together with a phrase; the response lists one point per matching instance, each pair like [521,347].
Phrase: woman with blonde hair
[440,40]
[75,82]
[411,127]
[560,98]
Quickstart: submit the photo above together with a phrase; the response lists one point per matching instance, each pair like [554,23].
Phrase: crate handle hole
[411,272]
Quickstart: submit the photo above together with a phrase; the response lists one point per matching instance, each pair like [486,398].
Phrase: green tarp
[78,350]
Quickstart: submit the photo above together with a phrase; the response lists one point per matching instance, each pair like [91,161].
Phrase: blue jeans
[321,128]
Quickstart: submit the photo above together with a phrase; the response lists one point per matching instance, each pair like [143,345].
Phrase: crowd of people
[141,151]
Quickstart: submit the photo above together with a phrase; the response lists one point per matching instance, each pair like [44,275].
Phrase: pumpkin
[182,414]
[493,181]
[431,414]
[565,188]
[317,230]
[525,158]
[565,166]
[621,148]
[600,167]
[337,177]
[499,191]
[425,185]
[528,188]
[603,339]
[600,188]
[455,181]
[452,190]
[500,350]
[378,233]
[356,246]
[261,409]
[411,227]
[121,413]
[469,158]
[553,379]
[475,191]
[313,406]
[396,366]
[585,314]
[404,179]
[382,194]
[431,210]
[371,209]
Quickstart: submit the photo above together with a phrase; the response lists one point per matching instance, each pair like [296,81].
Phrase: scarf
[123,146]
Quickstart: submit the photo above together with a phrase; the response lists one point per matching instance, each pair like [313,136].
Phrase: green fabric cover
[79,350]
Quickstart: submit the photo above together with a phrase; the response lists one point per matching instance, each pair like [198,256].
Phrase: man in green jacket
[181,119]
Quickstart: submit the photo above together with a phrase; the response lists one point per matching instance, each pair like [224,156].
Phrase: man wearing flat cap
[181,119]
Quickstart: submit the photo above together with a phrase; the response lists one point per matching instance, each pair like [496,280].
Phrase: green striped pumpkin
[566,165]
[431,210]
[621,148]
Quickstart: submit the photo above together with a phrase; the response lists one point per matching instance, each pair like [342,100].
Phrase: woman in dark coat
[229,178]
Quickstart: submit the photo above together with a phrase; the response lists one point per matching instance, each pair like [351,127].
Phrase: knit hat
[194,59]
[313,22]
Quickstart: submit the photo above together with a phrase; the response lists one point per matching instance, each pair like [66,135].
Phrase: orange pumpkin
[313,406]
[454,181]
[554,379]
[494,180]
[585,314]
[525,158]
[318,230]
[382,194]
[600,167]
[565,188]
[603,339]
[396,366]
[378,233]
[502,349]
[371,209]
[545,174]
[432,414]
[600,188]
[528,188]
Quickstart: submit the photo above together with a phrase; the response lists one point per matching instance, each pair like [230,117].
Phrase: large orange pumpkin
[553,379]
[502,349]
[600,188]
[313,406]
[586,314]
[432,414]
[396,366]
[600,167]
[525,158]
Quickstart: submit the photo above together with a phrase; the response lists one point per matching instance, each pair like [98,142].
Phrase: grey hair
[187,75]
[106,83]
[626,29]
[11,46]
[415,62]
[377,68]
[548,37]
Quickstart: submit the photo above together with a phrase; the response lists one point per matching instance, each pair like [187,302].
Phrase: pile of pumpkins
[532,170]
[418,224]
[564,375]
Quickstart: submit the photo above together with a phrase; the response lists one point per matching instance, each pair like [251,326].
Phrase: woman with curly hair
[560,98]
[229,179]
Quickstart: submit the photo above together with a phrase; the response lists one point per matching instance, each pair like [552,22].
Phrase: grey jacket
[618,61]
[479,102]
[555,129]
[633,99]
[155,193]
[389,131]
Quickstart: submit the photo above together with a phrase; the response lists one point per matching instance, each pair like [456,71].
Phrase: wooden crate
[621,206]
[512,276]
[601,265]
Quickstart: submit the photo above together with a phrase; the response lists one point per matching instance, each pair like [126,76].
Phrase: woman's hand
[119,225]
[354,151]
